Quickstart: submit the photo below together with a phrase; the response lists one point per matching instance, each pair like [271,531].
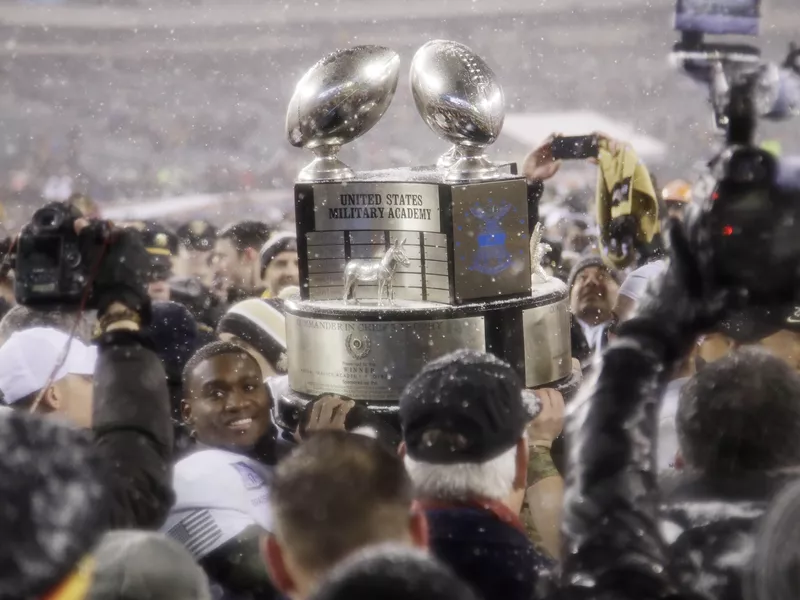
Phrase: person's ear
[186,412]
[276,565]
[521,472]
[401,450]
[418,527]
[51,401]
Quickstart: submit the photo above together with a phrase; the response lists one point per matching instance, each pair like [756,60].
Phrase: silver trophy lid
[458,97]
[339,99]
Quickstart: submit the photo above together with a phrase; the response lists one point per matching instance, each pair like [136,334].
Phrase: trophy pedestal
[369,352]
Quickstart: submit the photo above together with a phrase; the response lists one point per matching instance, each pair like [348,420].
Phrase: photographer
[128,407]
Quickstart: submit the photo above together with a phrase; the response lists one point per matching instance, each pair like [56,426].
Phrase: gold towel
[626,205]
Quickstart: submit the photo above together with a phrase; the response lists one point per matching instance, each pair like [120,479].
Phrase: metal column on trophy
[400,266]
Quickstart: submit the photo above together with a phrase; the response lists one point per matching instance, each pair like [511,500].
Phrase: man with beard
[279,263]
[593,292]
[236,263]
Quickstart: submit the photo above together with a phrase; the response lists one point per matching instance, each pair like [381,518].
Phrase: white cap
[28,358]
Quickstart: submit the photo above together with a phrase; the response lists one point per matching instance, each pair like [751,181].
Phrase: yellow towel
[626,202]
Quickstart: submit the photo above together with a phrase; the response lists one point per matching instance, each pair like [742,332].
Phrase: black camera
[752,222]
[753,226]
[49,268]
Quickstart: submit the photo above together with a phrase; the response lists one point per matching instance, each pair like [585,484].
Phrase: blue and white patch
[251,478]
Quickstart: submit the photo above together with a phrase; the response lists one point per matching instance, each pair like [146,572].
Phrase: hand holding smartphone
[578,147]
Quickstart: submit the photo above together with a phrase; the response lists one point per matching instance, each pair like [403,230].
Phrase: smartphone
[718,17]
[574,148]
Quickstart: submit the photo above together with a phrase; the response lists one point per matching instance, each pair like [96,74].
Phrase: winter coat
[493,555]
[133,431]
[612,543]
[216,488]
[711,541]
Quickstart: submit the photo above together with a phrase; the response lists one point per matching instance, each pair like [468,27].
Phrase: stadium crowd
[142,455]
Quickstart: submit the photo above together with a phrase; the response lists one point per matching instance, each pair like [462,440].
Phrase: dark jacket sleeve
[612,546]
[133,431]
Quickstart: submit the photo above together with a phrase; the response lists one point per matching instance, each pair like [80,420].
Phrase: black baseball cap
[465,407]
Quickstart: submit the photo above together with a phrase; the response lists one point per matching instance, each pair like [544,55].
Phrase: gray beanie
[143,565]
[585,263]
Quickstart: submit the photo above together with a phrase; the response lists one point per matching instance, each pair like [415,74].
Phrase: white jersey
[218,494]
[635,284]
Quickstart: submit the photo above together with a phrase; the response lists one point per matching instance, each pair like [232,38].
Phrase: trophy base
[289,405]
[326,168]
[369,352]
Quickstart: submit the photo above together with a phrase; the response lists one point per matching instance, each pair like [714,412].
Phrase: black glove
[684,302]
[120,267]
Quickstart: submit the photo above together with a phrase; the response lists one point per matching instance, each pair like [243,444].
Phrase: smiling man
[222,489]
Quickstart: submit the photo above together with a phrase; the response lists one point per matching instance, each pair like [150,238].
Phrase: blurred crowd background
[132,100]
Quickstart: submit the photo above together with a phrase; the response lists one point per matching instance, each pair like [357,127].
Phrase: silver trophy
[458,97]
[339,99]
[400,266]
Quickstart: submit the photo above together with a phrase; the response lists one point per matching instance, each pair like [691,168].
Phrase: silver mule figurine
[538,250]
[366,271]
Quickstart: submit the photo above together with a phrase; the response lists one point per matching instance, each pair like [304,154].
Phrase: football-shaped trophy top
[457,94]
[339,99]
[342,96]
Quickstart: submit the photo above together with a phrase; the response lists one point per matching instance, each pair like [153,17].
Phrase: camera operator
[128,408]
[611,531]
[613,444]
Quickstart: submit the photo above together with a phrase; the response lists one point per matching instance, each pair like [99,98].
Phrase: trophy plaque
[400,266]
